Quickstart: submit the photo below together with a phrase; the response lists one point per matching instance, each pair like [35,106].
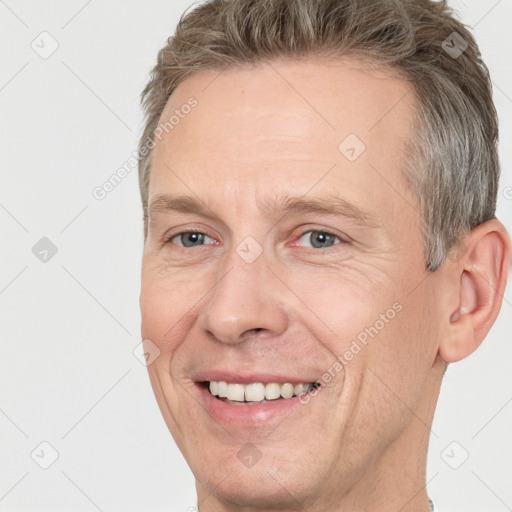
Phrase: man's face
[257,294]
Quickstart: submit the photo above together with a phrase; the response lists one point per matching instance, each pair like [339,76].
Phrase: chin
[258,489]
[265,484]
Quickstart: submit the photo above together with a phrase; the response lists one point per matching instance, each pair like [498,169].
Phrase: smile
[252,400]
[256,392]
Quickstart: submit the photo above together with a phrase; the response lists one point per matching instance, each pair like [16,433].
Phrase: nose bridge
[246,297]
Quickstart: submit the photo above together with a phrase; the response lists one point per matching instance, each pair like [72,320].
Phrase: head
[335,169]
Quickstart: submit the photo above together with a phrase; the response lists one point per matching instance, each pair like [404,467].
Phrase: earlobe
[481,277]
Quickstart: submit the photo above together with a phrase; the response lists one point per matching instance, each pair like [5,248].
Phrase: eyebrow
[330,205]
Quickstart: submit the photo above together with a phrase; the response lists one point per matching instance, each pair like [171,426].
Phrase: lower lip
[247,415]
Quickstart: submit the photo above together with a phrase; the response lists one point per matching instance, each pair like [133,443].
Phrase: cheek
[167,302]
[420,329]
[383,335]
[401,356]
[156,314]
[341,305]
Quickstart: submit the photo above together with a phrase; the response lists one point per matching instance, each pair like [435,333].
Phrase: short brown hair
[454,169]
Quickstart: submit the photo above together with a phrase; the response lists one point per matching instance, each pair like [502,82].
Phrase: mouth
[251,400]
[256,393]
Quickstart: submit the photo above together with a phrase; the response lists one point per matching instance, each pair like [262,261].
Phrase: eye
[319,239]
[189,239]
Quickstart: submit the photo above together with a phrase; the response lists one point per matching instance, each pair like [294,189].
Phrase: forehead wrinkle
[329,204]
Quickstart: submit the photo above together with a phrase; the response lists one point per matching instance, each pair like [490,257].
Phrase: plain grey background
[70,320]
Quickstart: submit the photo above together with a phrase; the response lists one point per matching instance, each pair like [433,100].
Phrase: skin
[271,131]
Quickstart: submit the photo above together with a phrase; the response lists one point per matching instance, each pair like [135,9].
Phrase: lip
[246,415]
[248,378]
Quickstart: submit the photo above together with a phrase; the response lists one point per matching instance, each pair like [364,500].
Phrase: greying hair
[453,169]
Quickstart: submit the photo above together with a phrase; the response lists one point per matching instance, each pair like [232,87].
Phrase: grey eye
[190,239]
[319,239]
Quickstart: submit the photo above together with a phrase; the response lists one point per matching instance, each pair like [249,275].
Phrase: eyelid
[296,236]
[342,239]
[168,237]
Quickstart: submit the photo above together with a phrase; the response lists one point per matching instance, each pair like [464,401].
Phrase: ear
[480,274]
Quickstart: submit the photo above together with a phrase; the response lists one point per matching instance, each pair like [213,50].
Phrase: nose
[247,299]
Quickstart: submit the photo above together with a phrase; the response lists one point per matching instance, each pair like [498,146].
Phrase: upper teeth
[256,391]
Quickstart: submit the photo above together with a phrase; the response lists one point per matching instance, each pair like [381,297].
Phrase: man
[319,184]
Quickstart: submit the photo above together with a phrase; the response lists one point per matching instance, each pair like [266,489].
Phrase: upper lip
[249,377]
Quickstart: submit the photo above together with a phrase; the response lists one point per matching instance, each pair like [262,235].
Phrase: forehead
[282,125]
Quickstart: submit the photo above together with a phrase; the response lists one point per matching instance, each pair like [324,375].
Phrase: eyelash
[168,240]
